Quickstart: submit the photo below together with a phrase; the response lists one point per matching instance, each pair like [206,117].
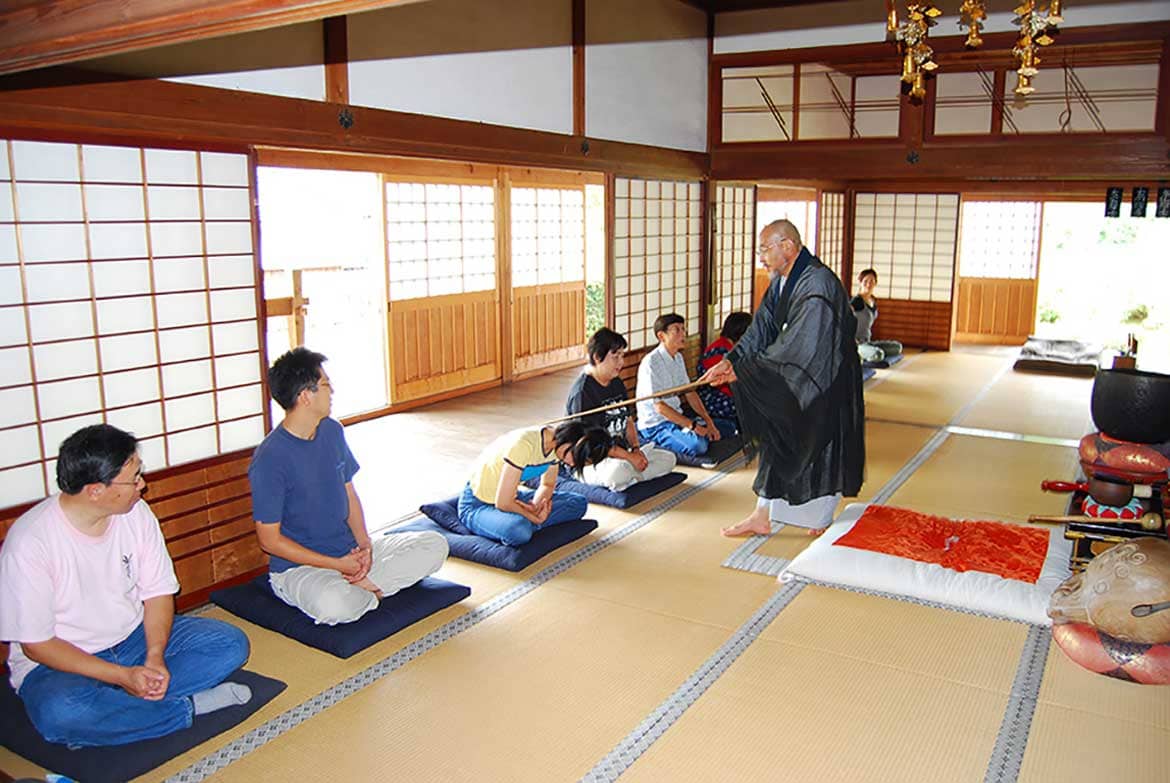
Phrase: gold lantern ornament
[1038,23]
[911,36]
[972,15]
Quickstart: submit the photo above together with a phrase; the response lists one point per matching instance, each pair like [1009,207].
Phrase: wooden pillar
[336,60]
[504,274]
[578,67]
[296,316]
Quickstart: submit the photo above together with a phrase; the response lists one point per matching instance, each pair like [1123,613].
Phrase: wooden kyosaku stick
[1151,520]
[686,387]
[1074,518]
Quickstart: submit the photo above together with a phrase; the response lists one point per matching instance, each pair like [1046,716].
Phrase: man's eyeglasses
[137,478]
[765,248]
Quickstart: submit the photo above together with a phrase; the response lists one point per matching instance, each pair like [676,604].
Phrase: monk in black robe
[797,384]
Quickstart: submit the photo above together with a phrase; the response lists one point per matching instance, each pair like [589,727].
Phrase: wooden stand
[1091,539]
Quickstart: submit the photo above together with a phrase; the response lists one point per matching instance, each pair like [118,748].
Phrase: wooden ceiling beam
[37,33]
[728,6]
[1030,158]
[83,106]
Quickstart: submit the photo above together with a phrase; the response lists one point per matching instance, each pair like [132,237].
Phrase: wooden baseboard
[200,597]
[990,339]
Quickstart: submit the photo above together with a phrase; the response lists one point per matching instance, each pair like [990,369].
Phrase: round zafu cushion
[1131,510]
[1137,462]
[1147,664]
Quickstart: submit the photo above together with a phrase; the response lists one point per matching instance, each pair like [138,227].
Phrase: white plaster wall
[283,61]
[646,73]
[864,21]
[505,62]
[1044,109]
[971,111]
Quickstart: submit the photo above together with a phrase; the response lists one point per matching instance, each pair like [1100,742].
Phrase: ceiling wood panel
[36,33]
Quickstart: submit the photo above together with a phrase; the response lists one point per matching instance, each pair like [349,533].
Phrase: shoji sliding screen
[127,296]
[655,256]
[733,257]
[444,318]
[548,275]
[909,239]
[831,237]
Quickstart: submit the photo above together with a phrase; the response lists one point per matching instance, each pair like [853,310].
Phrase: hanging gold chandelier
[972,14]
[1037,21]
[911,35]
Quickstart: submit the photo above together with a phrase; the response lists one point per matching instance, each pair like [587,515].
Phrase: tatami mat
[931,388]
[793,713]
[978,651]
[667,566]
[1032,404]
[973,477]
[1070,745]
[535,693]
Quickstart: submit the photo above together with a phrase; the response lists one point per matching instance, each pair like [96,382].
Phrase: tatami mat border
[1014,436]
[750,544]
[649,730]
[1008,755]
[292,718]
[906,598]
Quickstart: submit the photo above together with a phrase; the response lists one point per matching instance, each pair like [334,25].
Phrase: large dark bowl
[1132,405]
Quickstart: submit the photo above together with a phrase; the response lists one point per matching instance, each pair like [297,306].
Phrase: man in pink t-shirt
[86,601]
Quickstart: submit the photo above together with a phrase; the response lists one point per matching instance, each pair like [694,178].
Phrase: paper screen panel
[440,238]
[734,249]
[122,270]
[908,239]
[656,255]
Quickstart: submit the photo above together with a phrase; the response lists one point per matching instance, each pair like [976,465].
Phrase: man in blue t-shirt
[308,516]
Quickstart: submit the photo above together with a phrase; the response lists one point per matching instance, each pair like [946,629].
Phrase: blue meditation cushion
[255,602]
[477,549]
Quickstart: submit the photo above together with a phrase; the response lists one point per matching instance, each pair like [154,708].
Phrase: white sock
[226,694]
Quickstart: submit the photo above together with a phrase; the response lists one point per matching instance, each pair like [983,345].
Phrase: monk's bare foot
[755,525]
[813,532]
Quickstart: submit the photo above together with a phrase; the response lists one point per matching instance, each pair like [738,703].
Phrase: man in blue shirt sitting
[308,516]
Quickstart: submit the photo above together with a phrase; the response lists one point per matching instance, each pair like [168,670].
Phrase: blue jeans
[484,519]
[670,436]
[79,711]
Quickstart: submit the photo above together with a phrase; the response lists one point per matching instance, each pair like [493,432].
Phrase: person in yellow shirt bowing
[494,505]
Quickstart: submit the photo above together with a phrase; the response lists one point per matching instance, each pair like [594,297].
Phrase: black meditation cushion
[124,762]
